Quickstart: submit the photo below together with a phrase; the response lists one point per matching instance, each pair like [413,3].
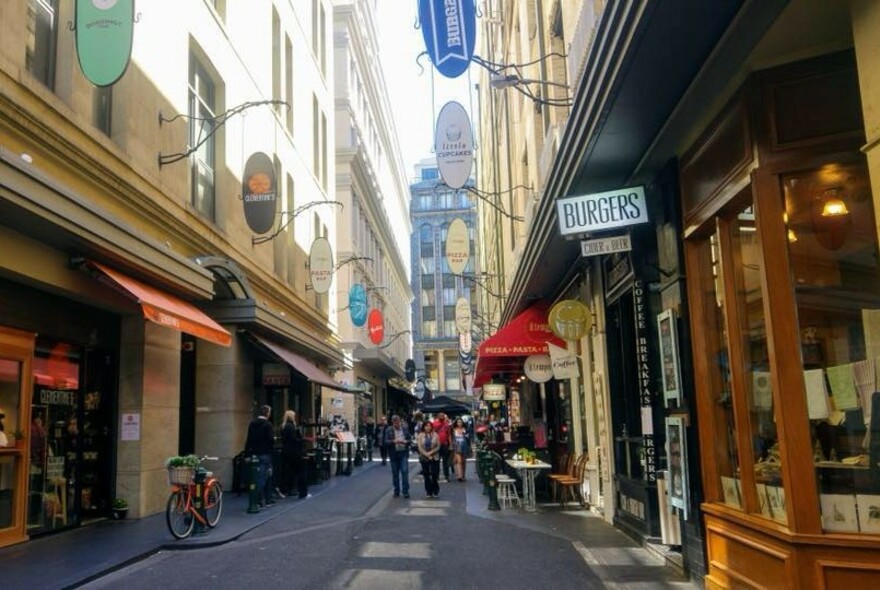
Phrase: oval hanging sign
[454,145]
[376,326]
[258,191]
[449,28]
[458,248]
[570,319]
[462,315]
[538,368]
[357,304]
[104,32]
[321,265]
[465,342]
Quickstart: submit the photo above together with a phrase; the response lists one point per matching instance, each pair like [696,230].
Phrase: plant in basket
[181,468]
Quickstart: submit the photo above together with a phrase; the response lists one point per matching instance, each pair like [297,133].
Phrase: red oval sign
[376,326]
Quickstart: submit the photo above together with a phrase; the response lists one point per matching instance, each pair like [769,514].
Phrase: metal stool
[507,494]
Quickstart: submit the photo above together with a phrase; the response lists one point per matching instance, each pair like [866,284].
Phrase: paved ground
[350,534]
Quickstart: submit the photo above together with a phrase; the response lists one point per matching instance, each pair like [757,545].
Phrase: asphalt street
[357,536]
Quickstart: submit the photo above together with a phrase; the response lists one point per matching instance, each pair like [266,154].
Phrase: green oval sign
[104,32]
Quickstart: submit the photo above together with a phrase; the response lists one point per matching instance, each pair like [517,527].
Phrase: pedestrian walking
[442,427]
[261,442]
[293,452]
[370,435]
[380,439]
[461,446]
[398,439]
[428,444]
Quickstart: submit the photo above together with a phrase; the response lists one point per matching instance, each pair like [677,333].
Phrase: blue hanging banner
[357,304]
[450,31]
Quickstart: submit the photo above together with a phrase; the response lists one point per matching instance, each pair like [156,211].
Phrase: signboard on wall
[259,192]
[321,265]
[376,326]
[494,392]
[357,305]
[601,211]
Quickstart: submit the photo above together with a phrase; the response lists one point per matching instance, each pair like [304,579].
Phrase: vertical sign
[104,32]
[449,28]
[644,379]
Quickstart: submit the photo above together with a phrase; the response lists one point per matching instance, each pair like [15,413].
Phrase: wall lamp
[500,81]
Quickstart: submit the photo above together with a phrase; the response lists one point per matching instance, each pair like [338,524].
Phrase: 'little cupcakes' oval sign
[454,145]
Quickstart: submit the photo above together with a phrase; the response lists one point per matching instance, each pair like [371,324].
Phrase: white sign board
[454,145]
[321,265]
[538,368]
[564,362]
[601,211]
[463,315]
[131,427]
[606,246]
[494,392]
[458,247]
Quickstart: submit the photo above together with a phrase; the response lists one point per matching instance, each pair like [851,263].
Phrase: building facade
[373,222]
[142,316]
[437,348]
[731,358]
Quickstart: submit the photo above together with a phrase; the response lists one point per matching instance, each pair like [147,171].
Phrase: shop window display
[10,385]
[832,244]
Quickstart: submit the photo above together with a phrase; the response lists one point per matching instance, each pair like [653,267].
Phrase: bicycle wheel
[179,519]
[213,502]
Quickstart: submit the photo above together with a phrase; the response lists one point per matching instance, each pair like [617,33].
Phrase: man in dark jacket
[261,442]
[380,439]
[398,439]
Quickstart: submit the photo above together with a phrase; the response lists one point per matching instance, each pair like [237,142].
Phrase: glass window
[102,102]
[429,329]
[832,244]
[42,34]
[452,373]
[708,255]
[202,107]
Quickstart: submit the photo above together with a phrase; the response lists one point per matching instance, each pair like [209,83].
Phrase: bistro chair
[574,484]
[566,470]
[507,494]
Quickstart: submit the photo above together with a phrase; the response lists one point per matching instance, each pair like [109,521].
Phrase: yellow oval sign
[570,319]
[458,246]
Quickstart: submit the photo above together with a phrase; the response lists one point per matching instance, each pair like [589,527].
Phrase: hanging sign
[462,315]
[458,247]
[409,368]
[104,33]
[357,304]
[600,211]
[465,342]
[321,265]
[494,392]
[538,368]
[454,145]
[563,362]
[606,245]
[570,319]
[259,193]
[449,28]
[376,326]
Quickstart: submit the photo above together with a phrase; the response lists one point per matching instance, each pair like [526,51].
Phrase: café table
[528,472]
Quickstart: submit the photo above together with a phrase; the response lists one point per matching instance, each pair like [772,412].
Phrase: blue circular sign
[357,304]
[449,28]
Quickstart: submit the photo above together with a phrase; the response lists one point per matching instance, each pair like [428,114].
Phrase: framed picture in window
[669,363]
[677,460]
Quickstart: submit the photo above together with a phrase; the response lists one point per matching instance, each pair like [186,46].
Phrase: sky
[415,100]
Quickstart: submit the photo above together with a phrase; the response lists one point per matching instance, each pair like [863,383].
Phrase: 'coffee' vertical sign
[644,379]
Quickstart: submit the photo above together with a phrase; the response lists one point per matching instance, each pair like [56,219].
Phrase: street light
[501,81]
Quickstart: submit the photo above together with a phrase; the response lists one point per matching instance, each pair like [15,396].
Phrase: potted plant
[19,438]
[120,509]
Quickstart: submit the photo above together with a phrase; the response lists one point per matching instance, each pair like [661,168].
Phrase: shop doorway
[71,435]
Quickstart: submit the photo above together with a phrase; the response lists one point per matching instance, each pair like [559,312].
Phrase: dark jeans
[383,451]
[444,457]
[431,472]
[369,449]
[399,471]
[295,476]
[264,477]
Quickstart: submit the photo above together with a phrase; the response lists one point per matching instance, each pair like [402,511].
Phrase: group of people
[261,442]
[436,441]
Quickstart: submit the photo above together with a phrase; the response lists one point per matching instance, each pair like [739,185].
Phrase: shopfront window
[708,254]
[10,390]
[832,244]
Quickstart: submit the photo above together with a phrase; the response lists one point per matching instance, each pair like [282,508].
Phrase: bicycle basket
[180,475]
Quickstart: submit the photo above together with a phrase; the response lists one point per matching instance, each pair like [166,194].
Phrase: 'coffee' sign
[601,211]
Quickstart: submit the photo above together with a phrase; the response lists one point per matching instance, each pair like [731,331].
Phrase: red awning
[525,335]
[165,309]
[302,365]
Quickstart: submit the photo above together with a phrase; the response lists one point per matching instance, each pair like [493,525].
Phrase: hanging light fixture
[834,205]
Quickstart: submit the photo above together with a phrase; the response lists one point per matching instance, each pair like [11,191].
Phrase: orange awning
[166,310]
[302,365]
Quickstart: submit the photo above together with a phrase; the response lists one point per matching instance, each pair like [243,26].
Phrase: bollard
[198,502]
[252,464]
[493,494]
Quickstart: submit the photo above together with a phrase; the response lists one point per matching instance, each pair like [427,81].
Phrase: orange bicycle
[195,496]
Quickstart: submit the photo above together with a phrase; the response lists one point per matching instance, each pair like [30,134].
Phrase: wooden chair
[566,470]
[574,484]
